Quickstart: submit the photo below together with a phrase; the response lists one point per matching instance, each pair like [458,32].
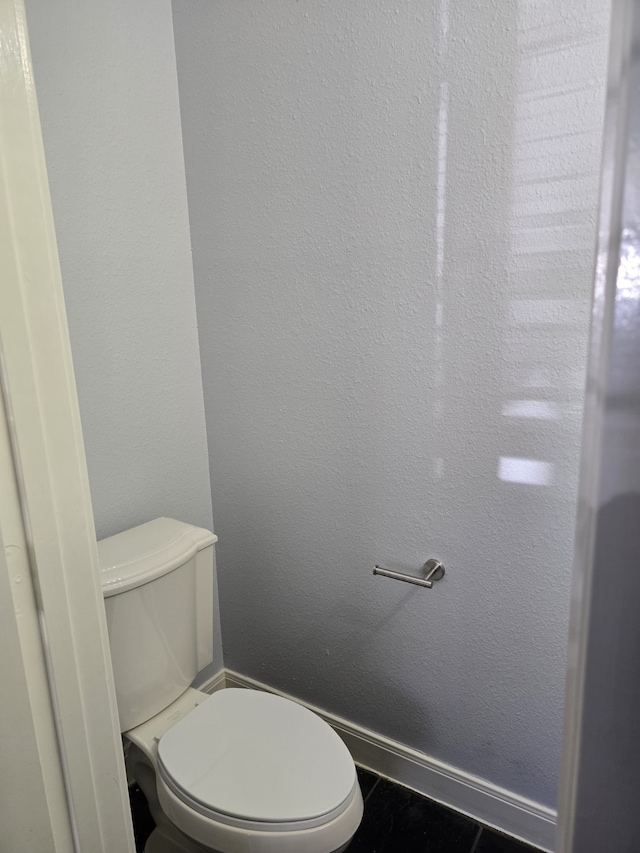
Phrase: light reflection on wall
[550,232]
[628,281]
[536,409]
[441,202]
[517,178]
[532,472]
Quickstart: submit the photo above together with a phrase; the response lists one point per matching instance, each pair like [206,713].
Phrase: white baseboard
[213,683]
[487,803]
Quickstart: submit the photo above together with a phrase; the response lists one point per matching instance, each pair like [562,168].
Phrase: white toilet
[240,771]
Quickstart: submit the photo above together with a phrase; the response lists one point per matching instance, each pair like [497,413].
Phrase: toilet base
[166,837]
[169,839]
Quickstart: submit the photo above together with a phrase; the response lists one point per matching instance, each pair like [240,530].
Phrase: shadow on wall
[610,721]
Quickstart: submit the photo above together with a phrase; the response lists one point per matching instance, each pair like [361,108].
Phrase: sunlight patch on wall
[531,472]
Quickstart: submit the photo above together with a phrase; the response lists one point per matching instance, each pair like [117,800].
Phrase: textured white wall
[107,90]
[393,214]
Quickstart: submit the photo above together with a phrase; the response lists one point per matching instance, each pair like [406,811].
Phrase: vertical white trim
[50,462]
[602,334]
[29,746]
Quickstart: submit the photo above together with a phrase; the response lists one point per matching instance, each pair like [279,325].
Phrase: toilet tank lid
[146,552]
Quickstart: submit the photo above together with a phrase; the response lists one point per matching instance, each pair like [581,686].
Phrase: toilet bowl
[244,770]
[238,771]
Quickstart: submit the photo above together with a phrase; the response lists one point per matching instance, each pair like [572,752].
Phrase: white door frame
[600,770]
[30,766]
[48,454]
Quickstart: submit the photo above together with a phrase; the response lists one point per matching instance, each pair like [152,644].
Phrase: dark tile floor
[396,820]
[143,824]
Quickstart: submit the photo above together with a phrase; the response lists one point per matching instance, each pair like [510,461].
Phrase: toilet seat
[255,761]
[331,837]
[215,766]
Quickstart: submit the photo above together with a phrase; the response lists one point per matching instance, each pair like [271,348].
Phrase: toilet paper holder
[433,570]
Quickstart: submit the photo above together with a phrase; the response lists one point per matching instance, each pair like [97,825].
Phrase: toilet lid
[253,756]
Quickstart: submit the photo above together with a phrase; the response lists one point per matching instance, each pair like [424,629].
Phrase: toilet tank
[157,582]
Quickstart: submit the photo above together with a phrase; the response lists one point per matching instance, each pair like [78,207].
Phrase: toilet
[238,771]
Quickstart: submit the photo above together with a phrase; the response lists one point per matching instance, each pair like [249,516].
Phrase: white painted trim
[27,725]
[471,795]
[616,138]
[50,466]
[214,683]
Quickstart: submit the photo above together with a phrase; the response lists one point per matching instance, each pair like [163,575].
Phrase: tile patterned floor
[396,820]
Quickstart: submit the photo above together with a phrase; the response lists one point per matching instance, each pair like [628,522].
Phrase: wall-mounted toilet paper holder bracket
[433,570]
